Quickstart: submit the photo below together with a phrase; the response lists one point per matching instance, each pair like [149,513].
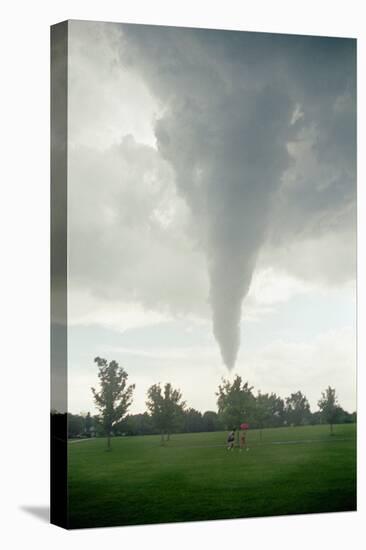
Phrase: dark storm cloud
[260,131]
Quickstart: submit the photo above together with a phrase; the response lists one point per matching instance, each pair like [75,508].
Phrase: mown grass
[291,471]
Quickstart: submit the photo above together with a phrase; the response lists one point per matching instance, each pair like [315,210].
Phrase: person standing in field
[230,440]
[243,441]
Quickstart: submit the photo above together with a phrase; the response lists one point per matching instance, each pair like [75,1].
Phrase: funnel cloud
[232,105]
[253,134]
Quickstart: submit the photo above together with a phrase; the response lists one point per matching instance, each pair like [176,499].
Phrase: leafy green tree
[329,408]
[297,409]
[88,422]
[193,421]
[98,425]
[316,418]
[114,397]
[211,422]
[75,424]
[166,408]
[269,411]
[278,411]
[263,411]
[236,402]
[136,424]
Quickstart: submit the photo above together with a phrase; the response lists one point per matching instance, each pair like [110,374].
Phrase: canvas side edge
[59,84]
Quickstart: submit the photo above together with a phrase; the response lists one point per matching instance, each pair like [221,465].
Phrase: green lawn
[291,471]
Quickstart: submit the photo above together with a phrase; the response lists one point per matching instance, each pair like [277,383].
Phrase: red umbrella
[244,426]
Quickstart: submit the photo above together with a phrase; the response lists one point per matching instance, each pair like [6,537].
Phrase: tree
[268,411]
[316,418]
[88,423]
[211,422]
[263,410]
[114,398]
[193,421]
[75,425]
[329,408]
[297,409]
[136,424]
[235,402]
[278,411]
[166,408]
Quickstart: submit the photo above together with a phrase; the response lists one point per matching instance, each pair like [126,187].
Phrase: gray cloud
[255,166]
[244,113]
[132,242]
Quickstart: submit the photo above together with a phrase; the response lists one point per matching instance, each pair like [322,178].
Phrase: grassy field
[291,471]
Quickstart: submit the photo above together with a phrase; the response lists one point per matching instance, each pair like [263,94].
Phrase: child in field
[230,440]
[243,443]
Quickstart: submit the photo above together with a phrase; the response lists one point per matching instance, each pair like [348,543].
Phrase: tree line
[167,413]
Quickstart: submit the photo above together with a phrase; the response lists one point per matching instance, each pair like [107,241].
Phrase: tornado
[225,135]
[228,162]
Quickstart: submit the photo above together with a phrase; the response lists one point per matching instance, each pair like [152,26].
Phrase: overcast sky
[212,210]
